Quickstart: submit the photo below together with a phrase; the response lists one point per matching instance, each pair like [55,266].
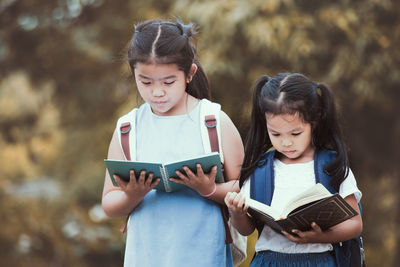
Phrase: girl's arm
[120,201]
[341,232]
[238,210]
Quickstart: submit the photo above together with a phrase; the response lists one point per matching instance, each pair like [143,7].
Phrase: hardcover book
[315,204]
[164,171]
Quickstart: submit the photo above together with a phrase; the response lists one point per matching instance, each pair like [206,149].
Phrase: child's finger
[154,183]
[229,198]
[142,177]
[237,199]
[178,181]
[183,178]
[149,179]
[299,233]
[290,236]
[132,177]
[213,172]
[226,198]
[121,183]
[188,172]
[242,201]
[316,227]
[199,170]
[245,208]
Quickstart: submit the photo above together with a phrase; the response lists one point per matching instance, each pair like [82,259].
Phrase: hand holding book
[165,171]
[203,183]
[138,187]
[316,204]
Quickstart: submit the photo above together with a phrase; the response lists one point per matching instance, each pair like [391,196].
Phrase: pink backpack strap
[211,124]
[125,129]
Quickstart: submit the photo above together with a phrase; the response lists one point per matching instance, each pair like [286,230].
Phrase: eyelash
[166,83]
[294,134]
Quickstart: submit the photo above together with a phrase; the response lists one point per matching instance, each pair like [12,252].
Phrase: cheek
[306,139]
[273,139]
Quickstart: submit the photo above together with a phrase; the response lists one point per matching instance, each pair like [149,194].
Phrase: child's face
[163,87]
[291,136]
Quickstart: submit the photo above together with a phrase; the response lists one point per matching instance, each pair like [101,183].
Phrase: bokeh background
[64,81]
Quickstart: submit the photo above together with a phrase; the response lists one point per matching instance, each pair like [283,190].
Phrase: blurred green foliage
[64,81]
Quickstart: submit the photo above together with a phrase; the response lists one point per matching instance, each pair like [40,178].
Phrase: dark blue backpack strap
[262,182]
[321,160]
[348,253]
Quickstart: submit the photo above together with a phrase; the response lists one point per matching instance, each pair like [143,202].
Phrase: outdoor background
[64,81]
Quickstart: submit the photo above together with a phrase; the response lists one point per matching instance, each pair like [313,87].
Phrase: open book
[164,171]
[315,204]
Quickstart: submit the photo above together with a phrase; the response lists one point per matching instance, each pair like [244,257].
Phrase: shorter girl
[298,118]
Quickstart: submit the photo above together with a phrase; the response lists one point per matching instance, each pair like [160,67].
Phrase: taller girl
[297,117]
[183,228]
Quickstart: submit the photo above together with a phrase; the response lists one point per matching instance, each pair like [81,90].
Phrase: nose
[157,92]
[286,142]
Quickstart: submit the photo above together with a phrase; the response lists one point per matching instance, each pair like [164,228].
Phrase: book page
[256,205]
[312,194]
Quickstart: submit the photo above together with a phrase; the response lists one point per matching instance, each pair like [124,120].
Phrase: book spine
[165,177]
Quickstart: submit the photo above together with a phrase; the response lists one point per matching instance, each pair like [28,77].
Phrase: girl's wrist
[211,193]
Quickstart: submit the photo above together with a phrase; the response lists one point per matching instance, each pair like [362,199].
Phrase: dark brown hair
[291,93]
[165,42]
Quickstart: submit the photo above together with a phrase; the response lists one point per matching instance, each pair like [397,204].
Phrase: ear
[192,71]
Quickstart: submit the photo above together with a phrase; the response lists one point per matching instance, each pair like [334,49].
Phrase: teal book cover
[165,171]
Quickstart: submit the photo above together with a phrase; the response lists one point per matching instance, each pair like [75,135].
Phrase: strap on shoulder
[211,128]
[211,124]
[127,134]
[321,159]
[124,130]
[210,131]
[127,141]
[262,183]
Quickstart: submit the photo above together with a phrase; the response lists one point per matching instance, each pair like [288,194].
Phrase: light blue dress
[180,228]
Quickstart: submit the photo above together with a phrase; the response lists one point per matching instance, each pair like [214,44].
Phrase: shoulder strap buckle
[125,127]
[210,121]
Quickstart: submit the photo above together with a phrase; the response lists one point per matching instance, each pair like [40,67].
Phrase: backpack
[347,253]
[210,134]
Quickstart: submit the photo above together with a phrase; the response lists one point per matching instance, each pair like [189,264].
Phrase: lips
[159,102]
[289,152]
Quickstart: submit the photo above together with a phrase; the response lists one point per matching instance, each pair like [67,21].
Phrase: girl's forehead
[284,117]
[284,120]
[155,70]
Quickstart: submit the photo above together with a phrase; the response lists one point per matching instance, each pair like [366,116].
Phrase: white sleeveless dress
[173,229]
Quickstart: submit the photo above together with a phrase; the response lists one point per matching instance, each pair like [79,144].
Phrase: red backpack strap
[211,124]
[125,129]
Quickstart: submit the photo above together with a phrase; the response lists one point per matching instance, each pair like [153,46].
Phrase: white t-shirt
[288,183]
